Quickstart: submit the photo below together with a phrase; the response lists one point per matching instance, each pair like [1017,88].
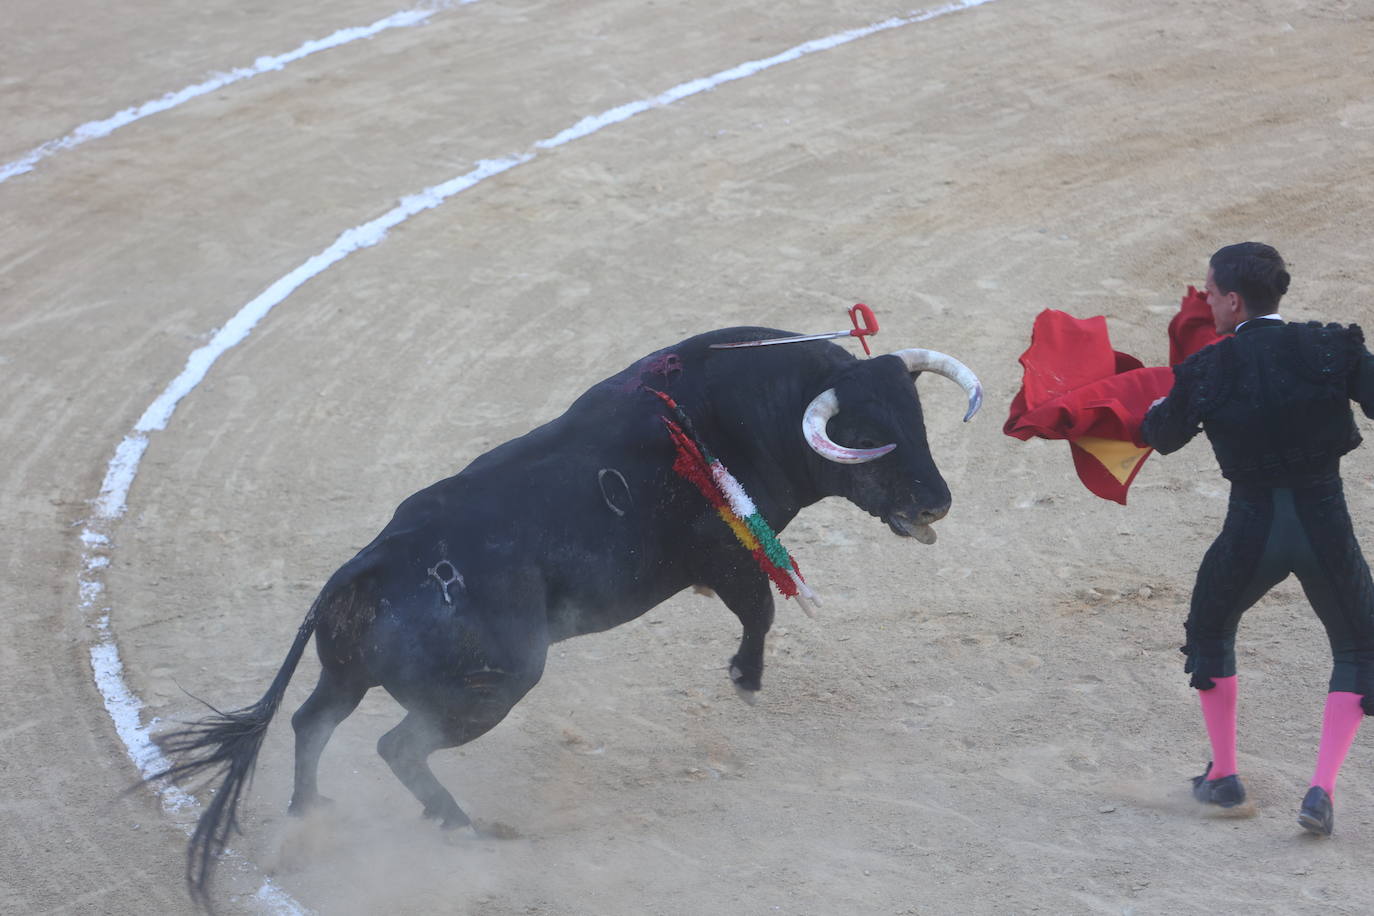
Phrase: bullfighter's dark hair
[1254,270]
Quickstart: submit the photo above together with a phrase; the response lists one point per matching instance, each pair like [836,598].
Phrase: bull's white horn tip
[975,401]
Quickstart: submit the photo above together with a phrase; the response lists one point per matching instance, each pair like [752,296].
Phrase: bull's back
[563,522]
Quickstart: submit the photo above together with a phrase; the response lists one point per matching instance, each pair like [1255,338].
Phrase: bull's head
[874,411]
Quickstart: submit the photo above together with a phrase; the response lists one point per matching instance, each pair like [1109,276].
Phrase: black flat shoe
[1226,792]
[1317,815]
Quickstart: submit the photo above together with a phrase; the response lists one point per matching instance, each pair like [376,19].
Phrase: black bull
[573,528]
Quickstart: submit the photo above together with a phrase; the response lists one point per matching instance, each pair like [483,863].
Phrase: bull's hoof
[750,697]
[448,814]
[747,682]
[300,807]
[746,675]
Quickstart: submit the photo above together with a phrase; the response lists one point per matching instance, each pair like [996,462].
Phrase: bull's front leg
[749,597]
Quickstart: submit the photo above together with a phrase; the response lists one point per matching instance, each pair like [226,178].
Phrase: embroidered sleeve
[1173,422]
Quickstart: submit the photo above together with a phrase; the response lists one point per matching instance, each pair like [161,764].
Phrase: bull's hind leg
[406,749]
[445,716]
[334,697]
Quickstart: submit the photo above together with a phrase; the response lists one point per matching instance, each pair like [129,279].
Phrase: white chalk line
[123,706]
[93,130]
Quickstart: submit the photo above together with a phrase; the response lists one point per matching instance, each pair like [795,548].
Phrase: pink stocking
[1340,722]
[1219,713]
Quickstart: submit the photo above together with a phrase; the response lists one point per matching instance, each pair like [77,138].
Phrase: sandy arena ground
[995,724]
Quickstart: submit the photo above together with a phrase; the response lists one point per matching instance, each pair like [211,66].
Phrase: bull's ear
[818,414]
[918,361]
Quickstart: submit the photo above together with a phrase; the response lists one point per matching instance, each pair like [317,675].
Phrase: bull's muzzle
[917,524]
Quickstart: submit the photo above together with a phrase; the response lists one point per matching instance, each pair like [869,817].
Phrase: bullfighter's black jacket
[1275,402]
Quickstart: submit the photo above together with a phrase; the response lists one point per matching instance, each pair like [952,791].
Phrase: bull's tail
[227,742]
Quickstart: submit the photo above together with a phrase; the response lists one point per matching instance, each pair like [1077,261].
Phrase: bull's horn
[825,406]
[932,361]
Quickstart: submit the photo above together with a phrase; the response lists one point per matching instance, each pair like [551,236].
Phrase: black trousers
[1269,533]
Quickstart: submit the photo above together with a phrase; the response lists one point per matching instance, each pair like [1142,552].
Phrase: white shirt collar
[1273,315]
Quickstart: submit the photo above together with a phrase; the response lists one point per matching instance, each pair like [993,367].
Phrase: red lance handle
[862,330]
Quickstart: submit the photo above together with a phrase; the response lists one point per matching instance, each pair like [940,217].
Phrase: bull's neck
[759,459]
[751,416]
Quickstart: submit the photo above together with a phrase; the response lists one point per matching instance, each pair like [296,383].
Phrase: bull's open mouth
[905,527]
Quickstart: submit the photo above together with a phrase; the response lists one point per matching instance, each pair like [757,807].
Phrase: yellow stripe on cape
[1117,456]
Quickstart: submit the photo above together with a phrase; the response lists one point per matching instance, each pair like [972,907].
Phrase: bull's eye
[867,443]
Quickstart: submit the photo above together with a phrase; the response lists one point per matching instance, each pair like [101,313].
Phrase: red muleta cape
[1076,387]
